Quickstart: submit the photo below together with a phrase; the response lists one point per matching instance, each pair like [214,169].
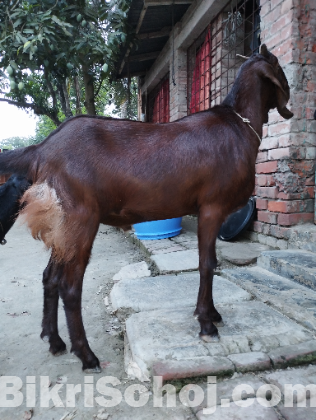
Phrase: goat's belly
[127,217]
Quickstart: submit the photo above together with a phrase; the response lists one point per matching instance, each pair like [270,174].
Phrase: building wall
[285,180]
[285,170]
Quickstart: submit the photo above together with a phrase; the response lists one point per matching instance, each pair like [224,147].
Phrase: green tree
[16,142]
[57,56]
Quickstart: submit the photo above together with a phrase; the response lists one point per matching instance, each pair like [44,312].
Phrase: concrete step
[169,339]
[296,265]
[170,292]
[296,301]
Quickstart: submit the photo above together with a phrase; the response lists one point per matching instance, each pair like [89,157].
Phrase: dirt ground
[23,354]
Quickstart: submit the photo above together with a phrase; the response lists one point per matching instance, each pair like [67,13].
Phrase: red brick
[280,232]
[286,6]
[295,218]
[279,206]
[305,168]
[267,217]
[257,226]
[282,22]
[274,3]
[267,167]
[308,192]
[269,192]
[265,180]
[262,157]
[261,204]
[276,154]
[266,228]
[269,143]
[270,181]
[293,206]
[310,180]
[279,128]
[261,180]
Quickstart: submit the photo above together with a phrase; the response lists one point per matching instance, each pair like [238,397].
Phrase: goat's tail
[19,161]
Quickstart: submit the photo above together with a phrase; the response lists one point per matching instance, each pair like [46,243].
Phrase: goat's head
[266,66]
[271,69]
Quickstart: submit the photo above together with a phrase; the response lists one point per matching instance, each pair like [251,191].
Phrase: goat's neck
[247,100]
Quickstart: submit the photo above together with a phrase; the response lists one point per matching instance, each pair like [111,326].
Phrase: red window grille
[159,98]
[212,58]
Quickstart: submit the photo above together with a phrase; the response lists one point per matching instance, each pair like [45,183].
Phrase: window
[158,102]
[212,58]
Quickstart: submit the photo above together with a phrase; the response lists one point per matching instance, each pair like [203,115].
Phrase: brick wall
[285,180]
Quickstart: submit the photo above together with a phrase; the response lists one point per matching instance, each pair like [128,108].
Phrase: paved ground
[23,353]
[236,378]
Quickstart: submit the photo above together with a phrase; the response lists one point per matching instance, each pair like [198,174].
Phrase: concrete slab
[173,334]
[247,362]
[170,292]
[234,412]
[297,354]
[198,366]
[177,261]
[296,265]
[242,253]
[225,388]
[299,376]
[133,271]
[292,299]
[298,413]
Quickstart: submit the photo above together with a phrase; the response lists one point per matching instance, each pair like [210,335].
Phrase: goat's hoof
[96,369]
[3,242]
[45,338]
[219,324]
[210,338]
[59,353]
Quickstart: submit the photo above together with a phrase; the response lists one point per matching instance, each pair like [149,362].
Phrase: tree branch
[98,89]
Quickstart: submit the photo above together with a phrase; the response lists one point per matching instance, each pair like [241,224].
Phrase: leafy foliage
[57,56]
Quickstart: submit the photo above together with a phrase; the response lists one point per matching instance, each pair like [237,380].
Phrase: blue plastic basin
[158,229]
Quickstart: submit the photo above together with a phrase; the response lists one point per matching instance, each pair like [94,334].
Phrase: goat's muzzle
[3,242]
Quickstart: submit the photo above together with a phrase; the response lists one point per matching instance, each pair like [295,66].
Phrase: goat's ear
[266,70]
[264,51]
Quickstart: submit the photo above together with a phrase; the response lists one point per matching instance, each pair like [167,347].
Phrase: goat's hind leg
[70,290]
[50,312]
[209,224]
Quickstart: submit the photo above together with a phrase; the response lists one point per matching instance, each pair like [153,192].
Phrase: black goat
[10,194]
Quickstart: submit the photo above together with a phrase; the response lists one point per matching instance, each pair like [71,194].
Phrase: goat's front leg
[70,290]
[209,223]
[50,311]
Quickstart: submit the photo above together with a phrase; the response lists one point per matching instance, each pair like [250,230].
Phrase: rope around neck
[245,120]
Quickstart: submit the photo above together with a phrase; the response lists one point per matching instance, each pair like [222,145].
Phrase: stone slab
[294,376]
[297,413]
[294,355]
[225,388]
[247,362]
[233,412]
[292,299]
[242,253]
[177,261]
[168,334]
[171,291]
[199,366]
[133,271]
[296,265]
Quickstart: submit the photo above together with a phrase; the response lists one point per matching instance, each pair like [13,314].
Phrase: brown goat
[94,170]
